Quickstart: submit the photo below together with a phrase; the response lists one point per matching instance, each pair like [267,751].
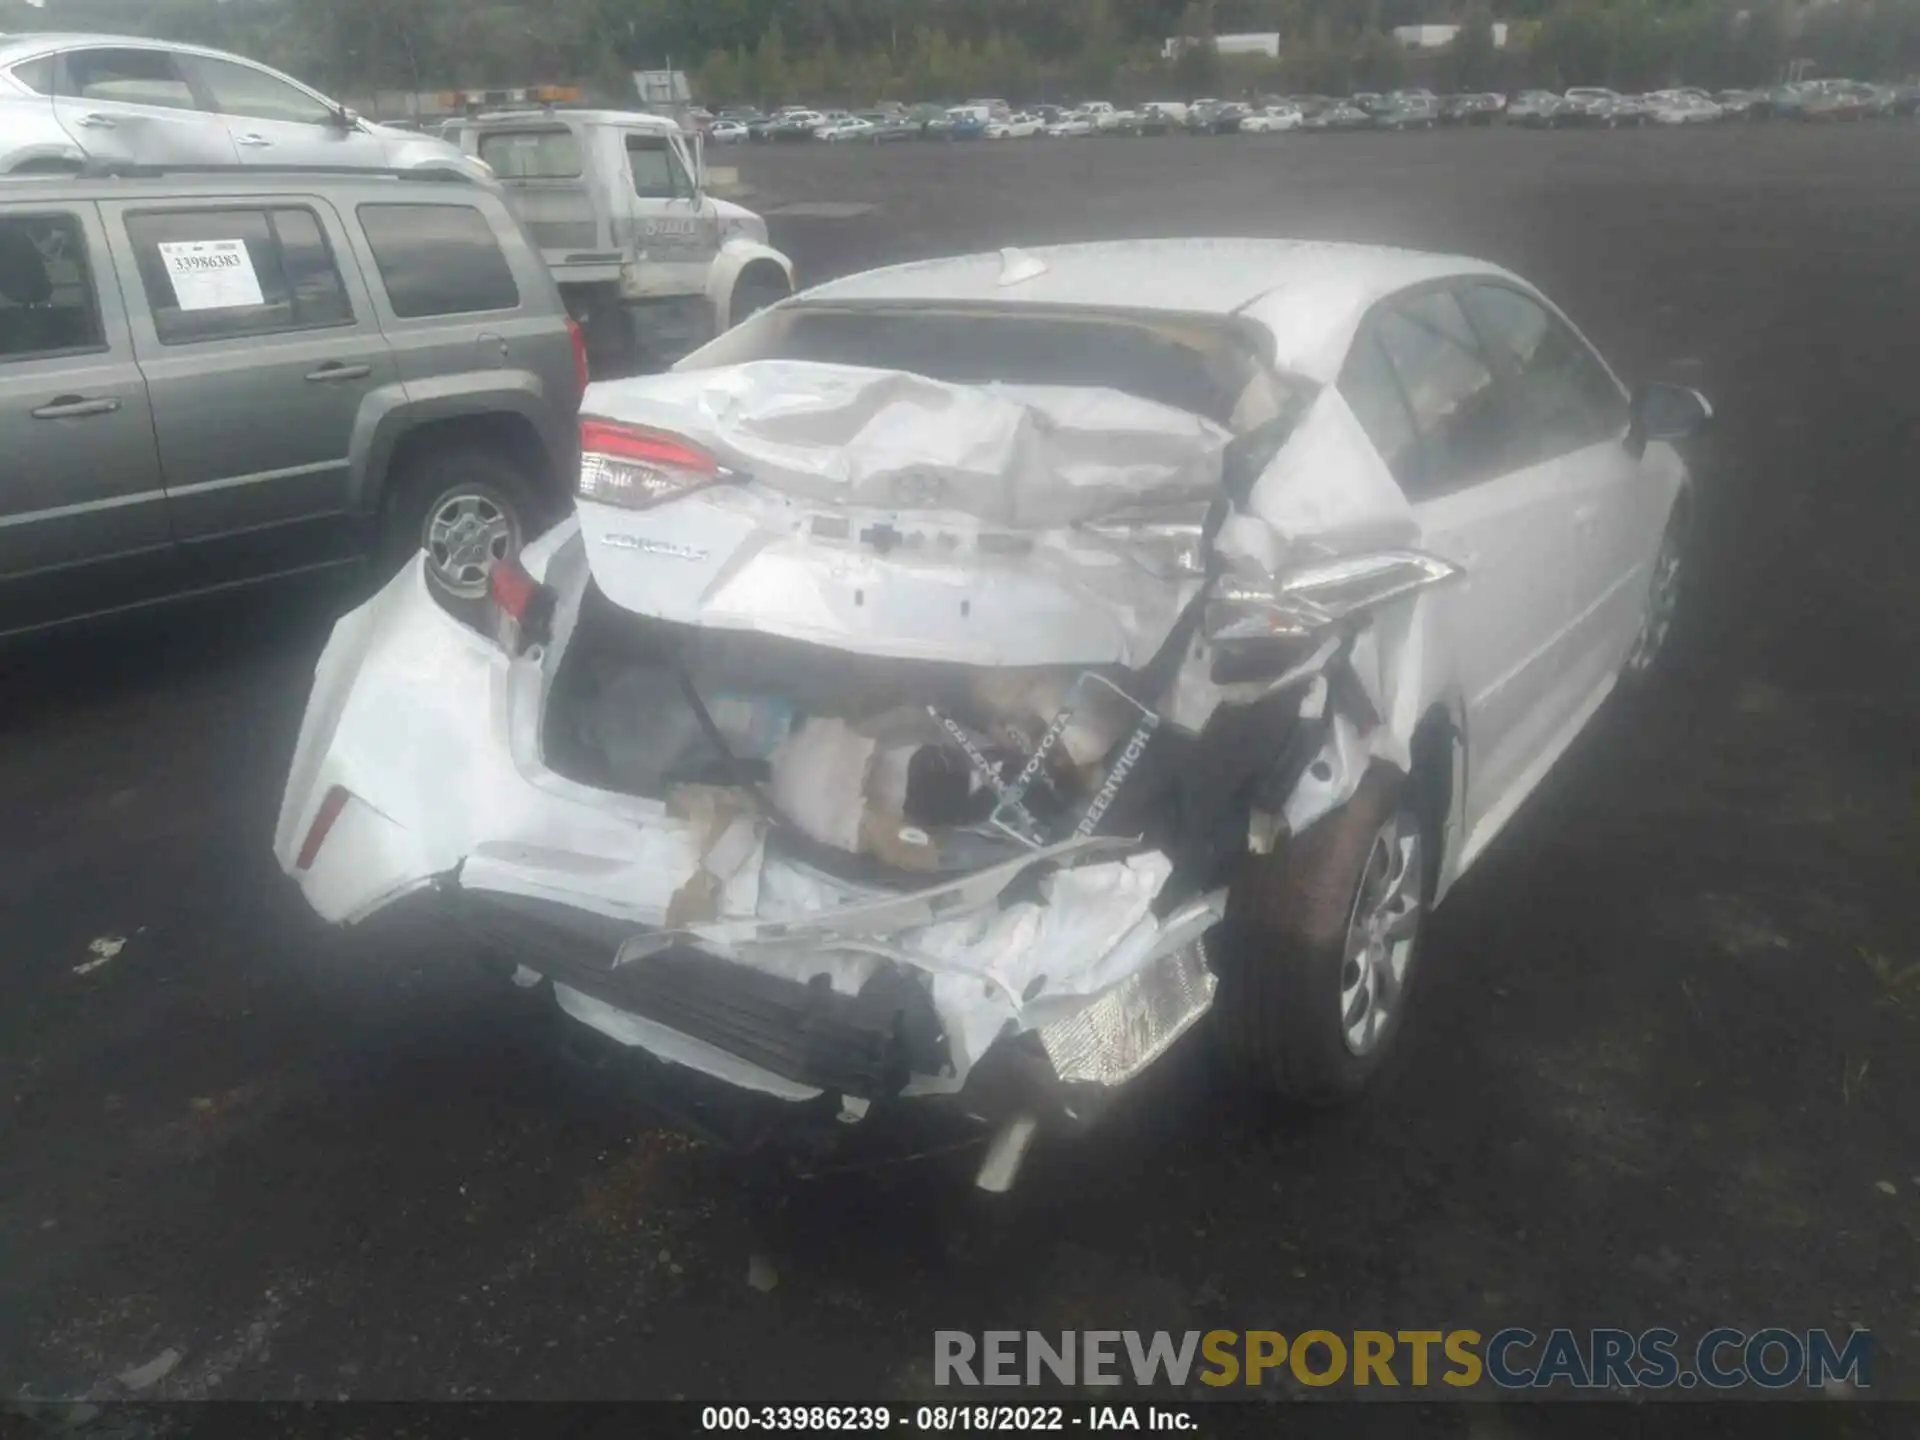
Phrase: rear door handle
[92,121]
[251,140]
[334,370]
[75,407]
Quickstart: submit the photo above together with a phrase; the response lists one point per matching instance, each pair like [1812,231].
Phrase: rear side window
[135,77]
[1368,385]
[219,274]
[47,304]
[36,75]
[531,154]
[244,91]
[1465,431]
[438,260]
[1567,399]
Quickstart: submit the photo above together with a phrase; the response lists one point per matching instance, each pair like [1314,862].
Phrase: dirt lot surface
[1666,1071]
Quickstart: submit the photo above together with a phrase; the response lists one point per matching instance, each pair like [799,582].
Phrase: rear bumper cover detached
[803,984]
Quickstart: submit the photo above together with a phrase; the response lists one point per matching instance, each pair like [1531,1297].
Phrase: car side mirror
[1661,411]
[346,117]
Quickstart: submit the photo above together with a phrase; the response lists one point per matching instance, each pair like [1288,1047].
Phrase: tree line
[861,51]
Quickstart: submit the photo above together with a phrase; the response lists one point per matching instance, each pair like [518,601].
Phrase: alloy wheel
[1381,932]
[467,533]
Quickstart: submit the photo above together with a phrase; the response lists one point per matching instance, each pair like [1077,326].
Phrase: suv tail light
[522,607]
[636,468]
[580,369]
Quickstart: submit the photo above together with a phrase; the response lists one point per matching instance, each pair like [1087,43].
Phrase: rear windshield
[1203,371]
[531,154]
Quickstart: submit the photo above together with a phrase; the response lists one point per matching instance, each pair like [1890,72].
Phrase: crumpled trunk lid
[903,517]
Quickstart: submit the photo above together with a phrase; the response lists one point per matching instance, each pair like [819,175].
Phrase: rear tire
[1312,998]
[467,508]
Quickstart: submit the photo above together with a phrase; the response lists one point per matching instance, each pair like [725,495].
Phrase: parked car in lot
[1074,125]
[214,381]
[1338,116]
[66,100]
[846,128]
[1270,119]
[1739,104]
[1785,102]
[1675,108]
[1477,109]
[1539,110]
[649,262]
[727,132]
[1214,117]
[1017,126]
[1160,116]
[1839,100]
[856,767]
[796,125]
[1408,112]
[885,128]
[962,122]
[1595,105]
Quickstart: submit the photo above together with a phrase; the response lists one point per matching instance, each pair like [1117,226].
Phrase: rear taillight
[522,607]
[331,804]
[579,338]
[636,468]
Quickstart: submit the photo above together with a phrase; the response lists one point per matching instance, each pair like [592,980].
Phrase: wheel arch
[741,260]
[469,409]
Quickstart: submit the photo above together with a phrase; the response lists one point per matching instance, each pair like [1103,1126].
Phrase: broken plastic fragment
[1133,1024]
[1308,599]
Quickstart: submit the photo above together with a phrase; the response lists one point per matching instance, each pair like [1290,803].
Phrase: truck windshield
[550,154]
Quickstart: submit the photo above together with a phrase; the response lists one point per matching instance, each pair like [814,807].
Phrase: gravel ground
[1665,1072]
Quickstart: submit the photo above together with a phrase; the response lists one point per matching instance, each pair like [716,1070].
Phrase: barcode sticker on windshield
[211,274]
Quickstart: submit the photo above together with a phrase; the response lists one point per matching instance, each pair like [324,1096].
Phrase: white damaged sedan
[960,678]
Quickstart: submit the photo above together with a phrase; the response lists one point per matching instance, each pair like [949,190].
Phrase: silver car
[66,100]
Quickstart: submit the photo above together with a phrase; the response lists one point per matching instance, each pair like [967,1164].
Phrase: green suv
[208,380]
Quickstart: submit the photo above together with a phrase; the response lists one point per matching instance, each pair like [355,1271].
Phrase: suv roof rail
[147,170]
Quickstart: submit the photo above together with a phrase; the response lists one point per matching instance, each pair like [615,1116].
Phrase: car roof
[15,46]
[236,182]
[637,119]
[1309,295]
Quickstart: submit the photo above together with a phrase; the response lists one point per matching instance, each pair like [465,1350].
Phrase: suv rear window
[531,154]
[438,260]
[217,274]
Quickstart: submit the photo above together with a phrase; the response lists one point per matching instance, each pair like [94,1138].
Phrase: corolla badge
[619,540]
